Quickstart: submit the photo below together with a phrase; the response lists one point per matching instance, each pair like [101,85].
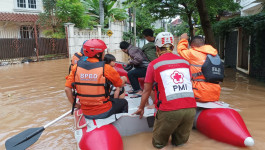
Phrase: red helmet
[93,46]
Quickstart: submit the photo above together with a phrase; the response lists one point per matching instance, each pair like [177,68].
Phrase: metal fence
[19,48]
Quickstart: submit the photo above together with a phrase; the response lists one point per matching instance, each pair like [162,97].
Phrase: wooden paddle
[28,137]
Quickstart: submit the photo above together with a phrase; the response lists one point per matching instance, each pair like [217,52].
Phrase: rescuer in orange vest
[88,78]
[204,91]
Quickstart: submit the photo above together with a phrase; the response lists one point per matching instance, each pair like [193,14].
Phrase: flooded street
[32,95]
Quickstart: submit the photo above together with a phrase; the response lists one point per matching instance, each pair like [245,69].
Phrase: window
[27,32]
[21,3]
[31,4]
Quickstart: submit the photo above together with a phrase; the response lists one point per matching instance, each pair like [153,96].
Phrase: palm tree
[110,12]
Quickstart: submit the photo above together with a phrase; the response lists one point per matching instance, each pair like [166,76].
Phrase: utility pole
[130,21]
[134,25]
[101,13]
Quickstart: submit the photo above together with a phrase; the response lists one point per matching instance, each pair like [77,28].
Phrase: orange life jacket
[90,84]
[203,91]
[75,59]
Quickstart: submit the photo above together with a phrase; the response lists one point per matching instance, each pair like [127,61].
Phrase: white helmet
[164,38]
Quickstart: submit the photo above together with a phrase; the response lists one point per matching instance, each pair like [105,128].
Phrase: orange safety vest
[90,84]
[75,59]
[203,91]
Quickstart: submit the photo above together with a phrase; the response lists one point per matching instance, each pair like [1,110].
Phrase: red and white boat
[214,119]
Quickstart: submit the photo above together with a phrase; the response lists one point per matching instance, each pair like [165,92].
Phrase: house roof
[18,17]
[176,22]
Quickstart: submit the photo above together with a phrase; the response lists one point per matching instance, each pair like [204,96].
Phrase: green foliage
[248,23]
[58,12]
[185,8]
[180,29]
[127,36]
[253,25]
[156,31]
[144,20]
[73,11]
[219,7]
[110,12]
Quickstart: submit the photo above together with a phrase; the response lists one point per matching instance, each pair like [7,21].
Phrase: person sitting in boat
[88,78]
[204,91]
[140,63]
[76,57]
[175,101]
[115,92]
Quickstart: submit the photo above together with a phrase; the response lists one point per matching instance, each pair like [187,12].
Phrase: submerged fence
[19,48]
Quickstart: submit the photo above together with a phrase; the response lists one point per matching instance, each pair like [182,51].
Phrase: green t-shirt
[149,50]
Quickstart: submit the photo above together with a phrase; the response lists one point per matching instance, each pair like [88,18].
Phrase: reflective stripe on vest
[196,65]
[168,62]
[194,75]
[89,83]
[197,74]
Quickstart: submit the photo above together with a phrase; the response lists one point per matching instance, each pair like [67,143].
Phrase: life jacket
[90,83]
[75,59]
[212,70]
[174,87]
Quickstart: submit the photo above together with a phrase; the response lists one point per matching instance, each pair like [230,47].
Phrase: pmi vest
[212,70]
[174,87]
[90,83]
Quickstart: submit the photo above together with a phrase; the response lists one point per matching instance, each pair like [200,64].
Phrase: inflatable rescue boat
[214,119]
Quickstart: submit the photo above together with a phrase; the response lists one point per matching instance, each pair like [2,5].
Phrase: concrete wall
[76,37]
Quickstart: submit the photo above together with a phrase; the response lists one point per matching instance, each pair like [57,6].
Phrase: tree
[188,11]
[169,8]
[73,11]
[110,12]
[205,22]
[58,12]
[48,18]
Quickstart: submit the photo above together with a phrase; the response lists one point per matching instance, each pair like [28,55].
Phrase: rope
[78,122]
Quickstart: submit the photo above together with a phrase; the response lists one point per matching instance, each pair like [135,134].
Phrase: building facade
[18,18]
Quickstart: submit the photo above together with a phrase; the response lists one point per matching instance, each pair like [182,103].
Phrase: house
[237,48]
[251,7]
[20,36]
[18,18]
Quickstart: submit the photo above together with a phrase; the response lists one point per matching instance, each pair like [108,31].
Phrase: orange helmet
[93,46]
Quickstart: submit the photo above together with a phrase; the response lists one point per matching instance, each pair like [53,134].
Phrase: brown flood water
[32,95]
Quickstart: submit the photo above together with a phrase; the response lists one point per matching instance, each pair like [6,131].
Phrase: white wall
[11,6]
[251,7]
[76,37]
[6,5]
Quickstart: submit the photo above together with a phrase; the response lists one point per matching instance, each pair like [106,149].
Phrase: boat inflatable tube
[225,125]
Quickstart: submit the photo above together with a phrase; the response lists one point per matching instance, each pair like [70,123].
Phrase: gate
[20,48]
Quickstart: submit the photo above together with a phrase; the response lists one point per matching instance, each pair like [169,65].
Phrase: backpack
[213,69]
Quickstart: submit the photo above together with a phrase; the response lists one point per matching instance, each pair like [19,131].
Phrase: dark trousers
[118,106]
[133,76]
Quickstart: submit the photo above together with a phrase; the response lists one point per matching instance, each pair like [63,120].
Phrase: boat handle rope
[78,122]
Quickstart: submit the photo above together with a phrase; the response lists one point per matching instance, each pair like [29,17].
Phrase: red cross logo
[177,77]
